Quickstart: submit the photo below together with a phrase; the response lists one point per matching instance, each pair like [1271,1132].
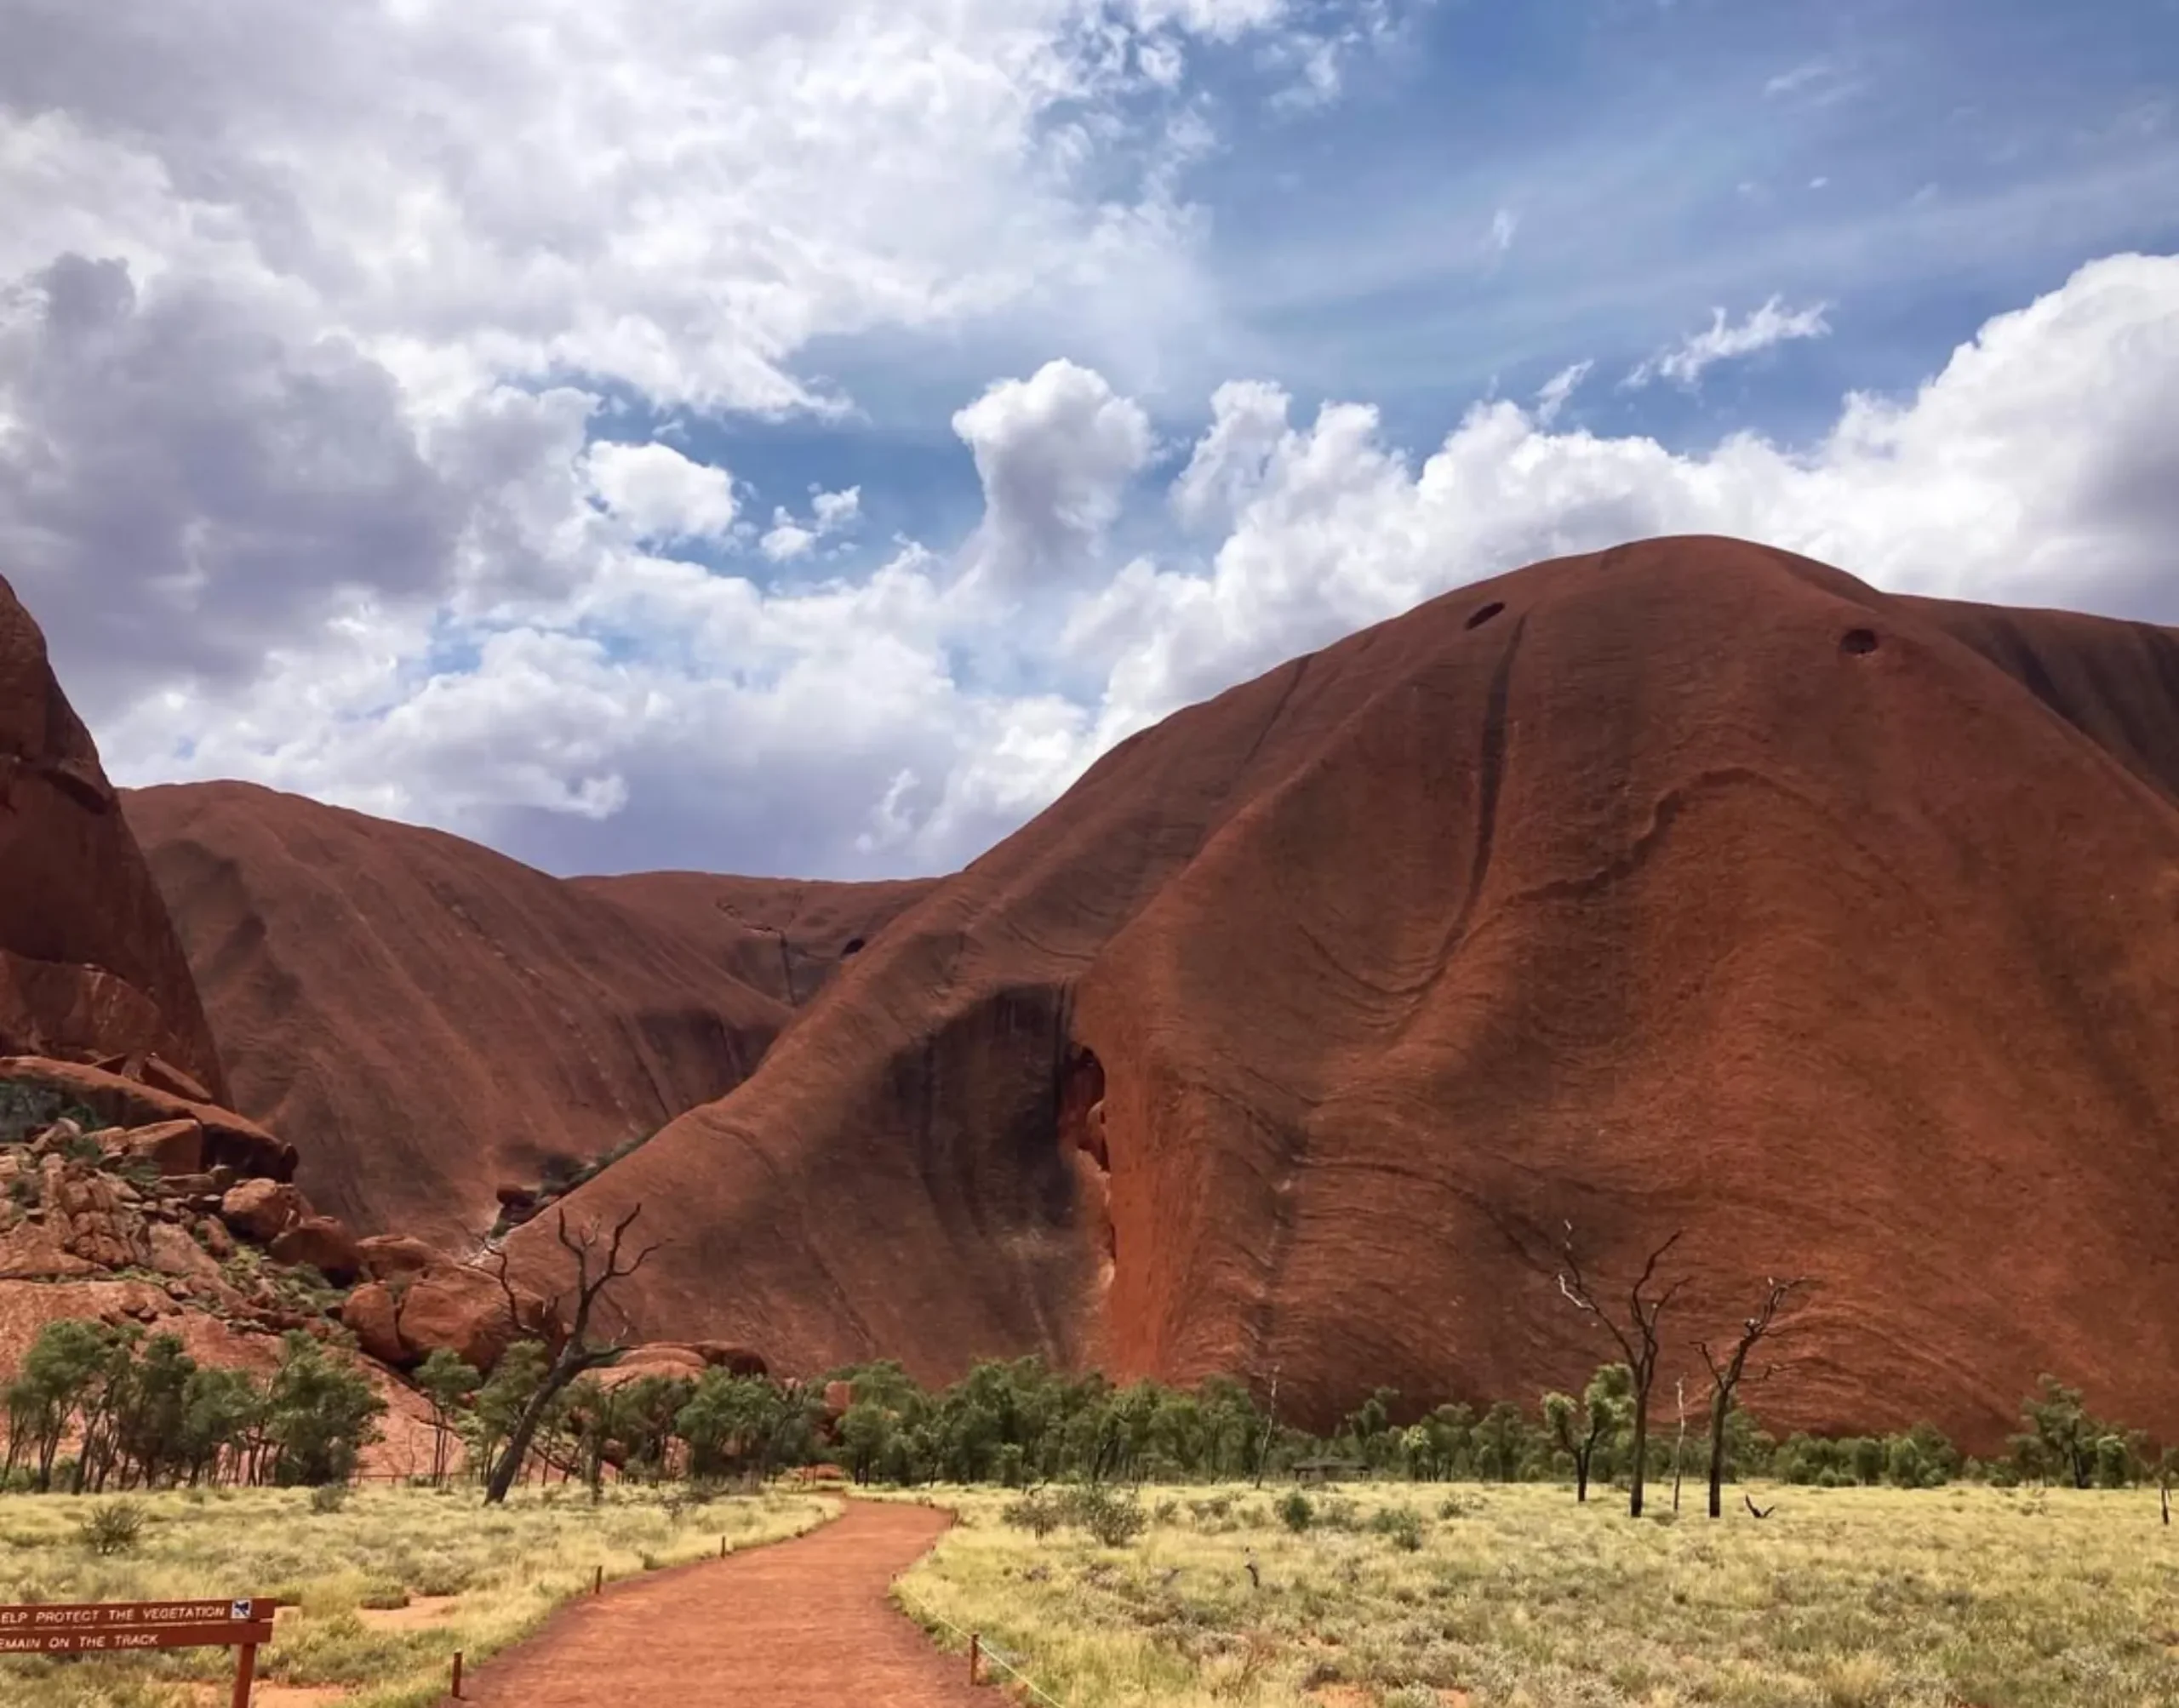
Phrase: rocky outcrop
[322,1242]
[261,1211]
[89,963]
[383,1256]
[682,1358]
[461,1307]
[175,1148]
[230,1141]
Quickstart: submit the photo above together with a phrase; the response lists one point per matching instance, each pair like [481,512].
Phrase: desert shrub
[1296,1513]
[1400,1526]
[111,1526]
[329,1497]
[1036,1512]
[440,1577]
[1114,1520]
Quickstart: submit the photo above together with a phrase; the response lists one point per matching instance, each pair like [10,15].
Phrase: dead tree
[1749,1500]
[576,1355]
[1637,1337]
[1725,1378]
[1679,1437]
[1270,1426]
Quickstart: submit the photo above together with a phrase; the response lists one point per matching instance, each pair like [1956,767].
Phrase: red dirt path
[791,1624]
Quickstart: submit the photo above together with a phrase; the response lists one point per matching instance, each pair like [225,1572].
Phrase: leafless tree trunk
[1725,1378]
[1270,1426]
[1637,1338]
[1680,1440]
[576,1354]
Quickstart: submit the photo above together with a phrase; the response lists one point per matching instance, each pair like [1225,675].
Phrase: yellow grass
[1517,1598]
[476,1580]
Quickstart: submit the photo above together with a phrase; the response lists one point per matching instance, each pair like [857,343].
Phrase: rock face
[89,963]
[1688,887]
[436,1021]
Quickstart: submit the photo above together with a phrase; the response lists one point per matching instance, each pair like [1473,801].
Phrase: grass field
[388,1586]
[1513,1597]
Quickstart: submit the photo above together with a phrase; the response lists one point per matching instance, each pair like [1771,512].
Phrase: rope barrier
[997,1656]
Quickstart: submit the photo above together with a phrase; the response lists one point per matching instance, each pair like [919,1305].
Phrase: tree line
[141,1412]
[96,1407]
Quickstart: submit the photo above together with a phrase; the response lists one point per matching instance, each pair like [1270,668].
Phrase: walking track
[790,1624]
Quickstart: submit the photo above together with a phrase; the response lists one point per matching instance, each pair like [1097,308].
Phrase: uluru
[1690,887]
[89,963]
[446,1022]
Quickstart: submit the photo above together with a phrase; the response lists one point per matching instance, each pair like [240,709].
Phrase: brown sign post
[127,1627]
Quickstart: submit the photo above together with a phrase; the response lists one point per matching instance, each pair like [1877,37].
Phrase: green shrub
[1112,1519]
[111,1526]
[1295,1512]
[1036,1512]
[1400,1526]
[329,1497]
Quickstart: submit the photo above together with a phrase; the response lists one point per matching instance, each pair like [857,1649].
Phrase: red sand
[803,1624]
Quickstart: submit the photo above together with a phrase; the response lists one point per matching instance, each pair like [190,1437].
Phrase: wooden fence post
[597,1583]
[457,1675]
[245,1673]
[976,1657]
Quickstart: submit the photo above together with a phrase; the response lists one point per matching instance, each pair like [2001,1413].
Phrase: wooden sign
[128,1627]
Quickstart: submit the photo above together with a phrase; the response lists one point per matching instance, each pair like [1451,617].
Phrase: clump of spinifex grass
[1514,1596]
[355,1575]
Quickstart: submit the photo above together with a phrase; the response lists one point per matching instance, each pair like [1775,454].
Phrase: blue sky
[1917,165]
[402,403]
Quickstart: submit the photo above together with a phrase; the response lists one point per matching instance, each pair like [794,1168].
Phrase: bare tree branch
[1637,1336]
[578,1354]
[1727,1374]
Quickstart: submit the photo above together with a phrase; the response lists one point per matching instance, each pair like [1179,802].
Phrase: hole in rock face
[852,946]
[1483,613]
[1856,641]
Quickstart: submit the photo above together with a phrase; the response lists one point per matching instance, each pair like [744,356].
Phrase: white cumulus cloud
[1054,453]
[357,361]
[830,513]
[659,493]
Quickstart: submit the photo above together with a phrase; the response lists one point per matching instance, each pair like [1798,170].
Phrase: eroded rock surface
[89,963]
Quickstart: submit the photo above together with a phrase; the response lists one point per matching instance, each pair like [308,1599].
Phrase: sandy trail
[790,1624]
